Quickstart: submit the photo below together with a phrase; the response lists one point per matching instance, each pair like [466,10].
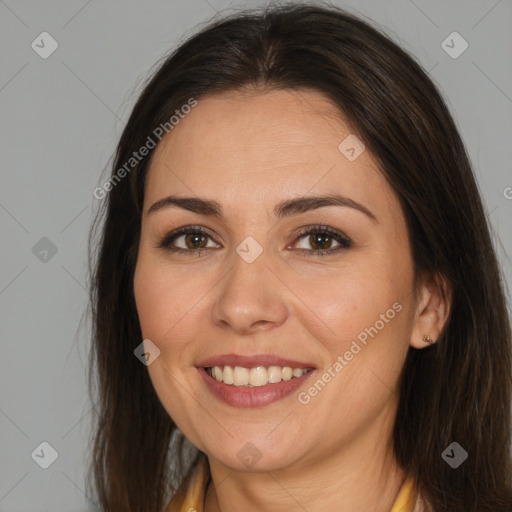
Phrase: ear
[432,309]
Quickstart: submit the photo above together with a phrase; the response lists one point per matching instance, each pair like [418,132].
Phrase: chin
[256,454]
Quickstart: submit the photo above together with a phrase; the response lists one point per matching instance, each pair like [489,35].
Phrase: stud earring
[428,339]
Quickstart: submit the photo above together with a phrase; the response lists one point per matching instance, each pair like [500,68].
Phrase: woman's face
[259,295]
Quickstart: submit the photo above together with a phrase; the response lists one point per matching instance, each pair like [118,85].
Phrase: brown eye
[190,240]
[317,241]
[194,240]
[320,240]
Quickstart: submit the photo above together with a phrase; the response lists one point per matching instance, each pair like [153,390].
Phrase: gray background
[60,120]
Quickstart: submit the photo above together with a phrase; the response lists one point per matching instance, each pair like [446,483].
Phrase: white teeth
[287,373]
[240,376]
[274,374]
[228,375]
[217,372]
[257,376]
[297,372]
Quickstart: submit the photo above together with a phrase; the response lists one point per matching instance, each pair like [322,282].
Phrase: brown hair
[458,389]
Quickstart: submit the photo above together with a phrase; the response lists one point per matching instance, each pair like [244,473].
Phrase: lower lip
[257,396]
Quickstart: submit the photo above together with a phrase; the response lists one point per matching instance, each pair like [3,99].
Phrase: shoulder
[408,498]
[190,494]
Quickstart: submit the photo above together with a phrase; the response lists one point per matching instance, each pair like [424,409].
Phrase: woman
[295,249]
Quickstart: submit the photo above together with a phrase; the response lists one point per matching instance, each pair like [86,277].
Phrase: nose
[251,298]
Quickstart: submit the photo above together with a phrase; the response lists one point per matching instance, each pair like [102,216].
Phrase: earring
[428,339]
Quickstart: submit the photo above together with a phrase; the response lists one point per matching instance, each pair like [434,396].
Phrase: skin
[249,151]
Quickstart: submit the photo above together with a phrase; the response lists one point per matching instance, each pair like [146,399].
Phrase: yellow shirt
[189,498]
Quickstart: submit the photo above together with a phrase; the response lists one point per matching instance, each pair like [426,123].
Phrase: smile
[254,377]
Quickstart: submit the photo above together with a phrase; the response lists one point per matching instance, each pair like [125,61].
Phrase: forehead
[237,146]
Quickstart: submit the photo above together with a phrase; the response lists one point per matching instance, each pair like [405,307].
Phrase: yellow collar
[190,496]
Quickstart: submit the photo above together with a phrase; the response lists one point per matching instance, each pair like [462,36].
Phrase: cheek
[353,300]
[151,299]
[365,326]
[163,301]
[163,298]
[365,342]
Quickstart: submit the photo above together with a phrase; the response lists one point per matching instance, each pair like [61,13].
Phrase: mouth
[252,381]
[256,376]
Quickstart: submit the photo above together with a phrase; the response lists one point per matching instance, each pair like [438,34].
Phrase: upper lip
[251,361]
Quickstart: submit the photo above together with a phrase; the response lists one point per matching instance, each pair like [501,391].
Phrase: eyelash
[343,240]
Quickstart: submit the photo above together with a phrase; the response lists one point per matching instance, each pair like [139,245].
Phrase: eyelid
[343,240]
[184,230]
[321,228]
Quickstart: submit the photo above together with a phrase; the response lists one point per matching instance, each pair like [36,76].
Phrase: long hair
[457,390]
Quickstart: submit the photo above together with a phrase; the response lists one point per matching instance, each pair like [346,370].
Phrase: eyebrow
[283,209]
